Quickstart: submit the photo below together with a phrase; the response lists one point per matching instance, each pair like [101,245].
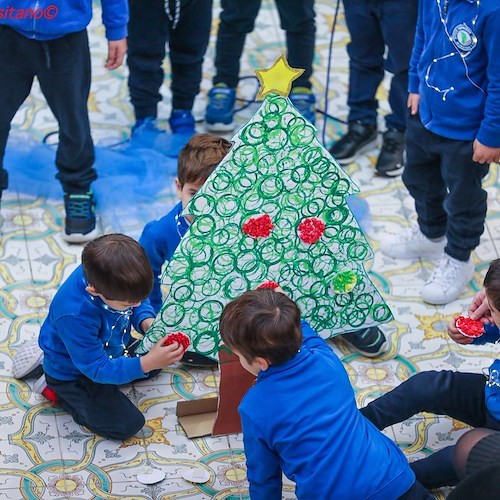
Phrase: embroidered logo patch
[464,38]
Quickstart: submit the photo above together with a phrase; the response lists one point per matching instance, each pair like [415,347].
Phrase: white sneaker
[448,280]
[410,243]
[27,358]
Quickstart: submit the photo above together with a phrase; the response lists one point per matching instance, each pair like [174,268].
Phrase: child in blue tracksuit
[88,350]
[300,417]
[185,26]
[453,133]
[197,160]
[48,39]
[469,397]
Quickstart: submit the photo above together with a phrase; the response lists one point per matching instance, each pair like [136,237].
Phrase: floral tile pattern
[44,454]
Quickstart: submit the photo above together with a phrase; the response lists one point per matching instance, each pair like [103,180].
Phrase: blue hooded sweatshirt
[50,19]
[159,239]
[301,418]
[491,392]
[455,67]
[83,336]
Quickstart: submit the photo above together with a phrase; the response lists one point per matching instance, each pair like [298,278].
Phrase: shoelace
[80,208]
[445,271]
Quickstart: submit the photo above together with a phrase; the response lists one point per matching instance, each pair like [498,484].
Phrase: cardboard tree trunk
[218,415]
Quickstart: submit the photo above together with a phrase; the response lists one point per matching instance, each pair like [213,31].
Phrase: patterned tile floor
[44,454]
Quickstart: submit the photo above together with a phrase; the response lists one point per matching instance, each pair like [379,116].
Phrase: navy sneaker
[181,122]
[80,225]
[360,137]
[220,109]
[305,102]
[370,342]
[145,124]
[390,162]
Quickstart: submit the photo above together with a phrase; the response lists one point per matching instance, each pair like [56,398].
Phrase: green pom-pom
[345,282]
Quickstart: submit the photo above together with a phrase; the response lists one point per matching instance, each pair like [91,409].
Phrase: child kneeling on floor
[88,350]
[300,417]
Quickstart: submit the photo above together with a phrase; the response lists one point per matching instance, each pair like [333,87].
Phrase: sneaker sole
[363,149]
[220,127]
[79,237]
[391,173]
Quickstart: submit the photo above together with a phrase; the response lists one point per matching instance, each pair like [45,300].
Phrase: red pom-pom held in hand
[179,337]
[311,229]
[469,327]
[258,227]
[269,284]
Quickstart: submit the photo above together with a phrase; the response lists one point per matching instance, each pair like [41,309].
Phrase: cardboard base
[218,415]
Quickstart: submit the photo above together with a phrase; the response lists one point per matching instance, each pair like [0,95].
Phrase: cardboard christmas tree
[274,209]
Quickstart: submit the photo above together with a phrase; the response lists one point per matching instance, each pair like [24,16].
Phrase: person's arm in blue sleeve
[115,18]
[413,79]
[490,336]
[492,391]
[86,351]
[157,255]
[312,340]
[140,313]
[263,468]
[489,132]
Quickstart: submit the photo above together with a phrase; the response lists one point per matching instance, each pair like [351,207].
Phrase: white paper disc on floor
[196,475]
[150,476]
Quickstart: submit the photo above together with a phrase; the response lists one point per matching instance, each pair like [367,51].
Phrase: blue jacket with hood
[50,19]
[455,67]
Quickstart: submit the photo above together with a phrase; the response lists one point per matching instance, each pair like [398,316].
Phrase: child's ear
[262,362]
[91,290]
[179,188]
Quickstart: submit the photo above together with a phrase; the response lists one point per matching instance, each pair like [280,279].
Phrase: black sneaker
[80,218]
[359,138]
[370,342]
[390,161]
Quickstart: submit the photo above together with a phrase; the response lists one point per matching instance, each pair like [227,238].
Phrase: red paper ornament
[311,229]
[258,227]
[469,327]
[179,337]
[269,284]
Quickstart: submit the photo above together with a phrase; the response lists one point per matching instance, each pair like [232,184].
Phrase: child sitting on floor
[86,342]
[300,417]
[468,397]
[160,238]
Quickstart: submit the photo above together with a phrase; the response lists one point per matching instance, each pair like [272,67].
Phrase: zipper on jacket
[37,4]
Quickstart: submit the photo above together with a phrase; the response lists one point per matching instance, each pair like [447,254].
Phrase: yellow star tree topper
[277,79]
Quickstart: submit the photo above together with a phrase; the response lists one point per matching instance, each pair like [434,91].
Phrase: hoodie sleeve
[142,312]
[489,132]
[263,468]
[115,18]
[418,46]
[157,255]
[81,340]
[492,391]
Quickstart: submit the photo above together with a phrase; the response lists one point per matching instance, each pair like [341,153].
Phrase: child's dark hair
[492,283]
[262,323]
[118,268]
[199,157]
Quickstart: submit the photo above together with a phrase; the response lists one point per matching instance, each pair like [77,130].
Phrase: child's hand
[485,154]
[479,308]
[116,52]
[455,335]
[161,355]
[413,102]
